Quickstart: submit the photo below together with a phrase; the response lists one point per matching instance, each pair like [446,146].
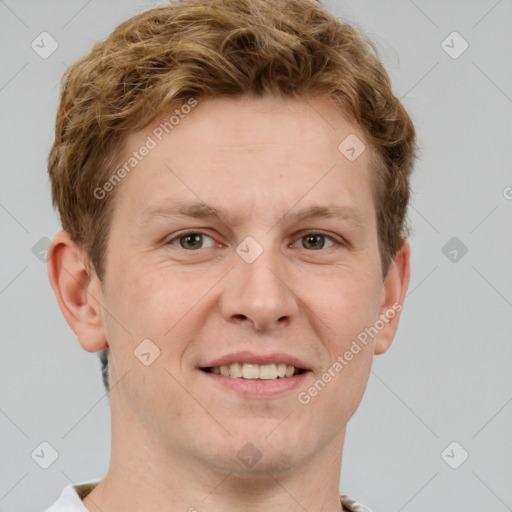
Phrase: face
[221,252]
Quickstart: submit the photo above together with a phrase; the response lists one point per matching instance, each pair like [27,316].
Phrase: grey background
[447,376]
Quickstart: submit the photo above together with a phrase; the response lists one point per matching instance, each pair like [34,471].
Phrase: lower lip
[258,388]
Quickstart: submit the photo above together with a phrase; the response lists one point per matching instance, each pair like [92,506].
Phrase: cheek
[348,305]
[146,307]
[149,301]
[166,308]
[347,302]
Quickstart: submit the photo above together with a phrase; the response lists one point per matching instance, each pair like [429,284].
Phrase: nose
[259,293]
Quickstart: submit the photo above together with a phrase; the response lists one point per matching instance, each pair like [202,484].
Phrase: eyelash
[303,234]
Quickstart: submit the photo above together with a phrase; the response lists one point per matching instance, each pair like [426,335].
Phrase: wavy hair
[158,59]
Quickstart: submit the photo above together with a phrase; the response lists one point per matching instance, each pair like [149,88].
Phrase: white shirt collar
[71,497]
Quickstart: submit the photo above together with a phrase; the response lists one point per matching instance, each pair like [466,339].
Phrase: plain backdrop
[447,377]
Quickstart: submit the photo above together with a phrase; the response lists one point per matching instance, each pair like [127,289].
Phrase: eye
[192,240]
[316,241]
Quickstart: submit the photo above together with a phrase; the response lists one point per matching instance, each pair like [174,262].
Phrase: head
[245,107]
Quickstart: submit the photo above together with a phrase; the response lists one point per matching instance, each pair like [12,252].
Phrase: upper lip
[252,358]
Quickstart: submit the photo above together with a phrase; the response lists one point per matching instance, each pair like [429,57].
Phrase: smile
[255,371]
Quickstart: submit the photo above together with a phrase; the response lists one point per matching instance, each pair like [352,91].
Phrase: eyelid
[335,239]
[180,234]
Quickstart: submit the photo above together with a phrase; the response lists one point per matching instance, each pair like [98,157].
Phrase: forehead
[245,151]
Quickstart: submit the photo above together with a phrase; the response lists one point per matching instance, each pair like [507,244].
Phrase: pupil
[195,239]
[314,238]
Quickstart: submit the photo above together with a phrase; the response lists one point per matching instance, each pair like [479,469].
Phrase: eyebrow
[199,210]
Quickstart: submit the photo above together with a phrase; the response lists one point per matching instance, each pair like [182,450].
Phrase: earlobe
[78,293]
[394,289]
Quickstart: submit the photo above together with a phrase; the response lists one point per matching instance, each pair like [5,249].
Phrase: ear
[394,289]
[78,291]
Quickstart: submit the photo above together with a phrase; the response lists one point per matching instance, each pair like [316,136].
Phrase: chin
[263,464]
[260,449]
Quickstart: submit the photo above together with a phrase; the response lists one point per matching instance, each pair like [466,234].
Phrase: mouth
[252,371]
[256,376]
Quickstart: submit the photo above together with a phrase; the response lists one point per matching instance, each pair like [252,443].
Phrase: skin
[175,435]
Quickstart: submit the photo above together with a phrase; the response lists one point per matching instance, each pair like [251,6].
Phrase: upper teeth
[255,371]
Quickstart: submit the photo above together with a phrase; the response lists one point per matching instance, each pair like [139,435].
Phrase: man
[232,178]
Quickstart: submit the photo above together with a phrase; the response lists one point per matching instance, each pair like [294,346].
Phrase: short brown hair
[207,48]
